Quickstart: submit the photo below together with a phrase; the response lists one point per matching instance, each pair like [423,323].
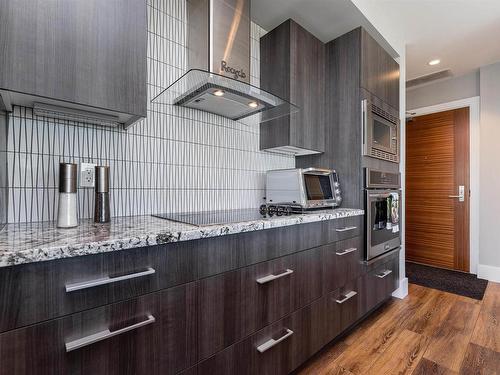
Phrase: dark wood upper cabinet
[292,67]
[379,71]
[83,54]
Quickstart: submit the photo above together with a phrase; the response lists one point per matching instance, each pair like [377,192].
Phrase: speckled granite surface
[26,243]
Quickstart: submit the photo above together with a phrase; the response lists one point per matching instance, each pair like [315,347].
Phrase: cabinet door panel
[380,282]
[37,291]
[87,52]
[345,306]
[166,345]
[289,343]
[237,303]
[379,72]
[342,261]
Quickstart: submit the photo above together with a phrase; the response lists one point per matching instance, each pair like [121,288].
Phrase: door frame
[473,104]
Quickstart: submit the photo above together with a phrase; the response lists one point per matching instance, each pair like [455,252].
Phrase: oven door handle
[380,196]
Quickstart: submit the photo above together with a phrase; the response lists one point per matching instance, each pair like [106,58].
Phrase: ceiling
[326,19]
[463,34]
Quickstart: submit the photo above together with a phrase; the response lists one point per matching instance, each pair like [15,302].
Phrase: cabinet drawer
[345,228]
[276,349]
[153,334]
[380,282]
[342,261]
[344,307]
[237,303]
[46,290]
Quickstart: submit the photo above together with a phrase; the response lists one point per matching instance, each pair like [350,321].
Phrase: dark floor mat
[464,284]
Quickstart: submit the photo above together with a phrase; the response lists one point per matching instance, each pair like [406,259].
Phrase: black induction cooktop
[223,216]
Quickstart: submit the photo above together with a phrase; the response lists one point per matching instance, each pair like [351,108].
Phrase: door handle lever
[461,194]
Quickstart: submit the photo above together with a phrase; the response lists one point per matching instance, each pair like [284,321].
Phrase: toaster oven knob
[271,210]
[263,209]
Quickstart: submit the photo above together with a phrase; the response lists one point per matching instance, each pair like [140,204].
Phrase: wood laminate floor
[429,332]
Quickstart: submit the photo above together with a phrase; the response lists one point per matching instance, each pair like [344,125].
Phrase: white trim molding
[402,291]
[489,273]
[474,120]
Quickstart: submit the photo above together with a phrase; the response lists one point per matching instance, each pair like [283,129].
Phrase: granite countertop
[27,243]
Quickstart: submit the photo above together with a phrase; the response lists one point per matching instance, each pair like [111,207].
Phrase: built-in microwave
[380,133]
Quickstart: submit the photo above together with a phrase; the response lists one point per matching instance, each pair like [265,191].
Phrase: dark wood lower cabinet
[345,304]
[166,345]
[276,349]
[237,303]
[342,261]
[264,317]
[380,282]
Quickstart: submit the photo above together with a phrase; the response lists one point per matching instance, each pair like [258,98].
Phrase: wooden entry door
[437,163]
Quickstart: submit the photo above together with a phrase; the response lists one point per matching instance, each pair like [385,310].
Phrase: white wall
[444,91]
[489,214]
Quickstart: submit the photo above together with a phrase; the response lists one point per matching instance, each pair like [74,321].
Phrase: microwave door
[382,136]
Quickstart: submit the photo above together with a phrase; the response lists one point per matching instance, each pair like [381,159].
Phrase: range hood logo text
[236,73]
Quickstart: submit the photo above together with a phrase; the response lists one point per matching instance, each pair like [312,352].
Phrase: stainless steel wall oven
[382,212]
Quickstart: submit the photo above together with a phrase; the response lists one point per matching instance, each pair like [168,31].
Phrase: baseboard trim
[402,291]
[489,273]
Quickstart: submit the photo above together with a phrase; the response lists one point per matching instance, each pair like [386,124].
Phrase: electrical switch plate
[87,175]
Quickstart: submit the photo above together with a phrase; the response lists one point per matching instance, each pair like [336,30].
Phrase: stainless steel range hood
[219,60]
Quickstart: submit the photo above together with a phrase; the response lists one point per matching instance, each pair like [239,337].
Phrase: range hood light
[219,93]
[253,104]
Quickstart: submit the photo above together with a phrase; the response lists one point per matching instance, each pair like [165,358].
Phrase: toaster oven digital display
[318,187]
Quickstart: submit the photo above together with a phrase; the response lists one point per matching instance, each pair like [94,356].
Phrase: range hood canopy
[215,93]
[219,59]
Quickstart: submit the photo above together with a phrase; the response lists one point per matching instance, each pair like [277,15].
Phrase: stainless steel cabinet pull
[107,280]
[381,275]
[272,342]
[106,334]
[347,296]
[345,229]
[268,278]
[346,251]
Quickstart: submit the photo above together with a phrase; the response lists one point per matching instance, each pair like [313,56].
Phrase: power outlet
[87,175]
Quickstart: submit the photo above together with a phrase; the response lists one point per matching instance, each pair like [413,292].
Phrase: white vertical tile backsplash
[175,160]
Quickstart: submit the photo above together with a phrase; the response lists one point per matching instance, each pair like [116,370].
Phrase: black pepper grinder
[101,201]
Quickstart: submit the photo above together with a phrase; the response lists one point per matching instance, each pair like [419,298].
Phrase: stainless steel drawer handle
[107,280]
[381,275]
[347,297]
[345,229]
[272,342]
[106,334]
[268,278]
[346,251]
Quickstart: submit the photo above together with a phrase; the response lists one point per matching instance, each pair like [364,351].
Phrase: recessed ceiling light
[253,104]
[434,62]
[219,93]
